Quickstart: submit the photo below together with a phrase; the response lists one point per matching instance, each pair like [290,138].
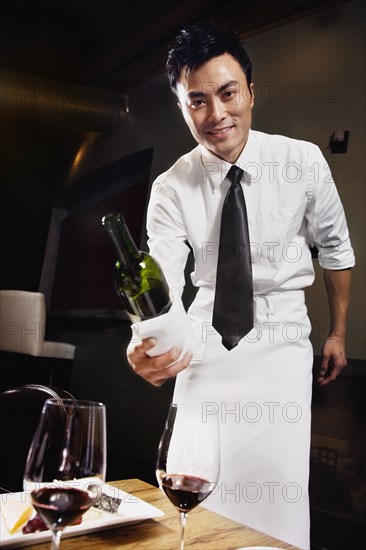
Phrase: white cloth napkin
[170,329]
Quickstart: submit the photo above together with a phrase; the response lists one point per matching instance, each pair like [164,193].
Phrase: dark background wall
[32,161]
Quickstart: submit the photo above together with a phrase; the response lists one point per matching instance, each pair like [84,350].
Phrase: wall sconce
[338,141]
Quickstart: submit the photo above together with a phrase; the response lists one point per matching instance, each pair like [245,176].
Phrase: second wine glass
[66,464]
[188,459]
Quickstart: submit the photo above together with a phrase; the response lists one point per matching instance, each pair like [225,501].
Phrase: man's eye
[229,94]
[197,103]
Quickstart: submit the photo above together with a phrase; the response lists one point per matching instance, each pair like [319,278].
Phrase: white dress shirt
[291,201]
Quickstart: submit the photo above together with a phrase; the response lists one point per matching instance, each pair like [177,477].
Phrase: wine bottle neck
[125,247]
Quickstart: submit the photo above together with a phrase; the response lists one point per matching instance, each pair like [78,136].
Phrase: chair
[20,410]
[23,327]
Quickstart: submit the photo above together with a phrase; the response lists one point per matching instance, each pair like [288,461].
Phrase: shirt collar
[216,169]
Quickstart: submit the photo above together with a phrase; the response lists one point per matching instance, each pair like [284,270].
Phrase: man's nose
[217,110]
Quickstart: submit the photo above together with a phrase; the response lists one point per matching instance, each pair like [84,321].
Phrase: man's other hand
[156,370]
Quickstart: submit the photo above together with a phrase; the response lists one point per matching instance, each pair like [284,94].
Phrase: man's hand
[333,360]
[338,285]
[155,369]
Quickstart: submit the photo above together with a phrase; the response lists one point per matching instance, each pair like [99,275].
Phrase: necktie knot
[235,174]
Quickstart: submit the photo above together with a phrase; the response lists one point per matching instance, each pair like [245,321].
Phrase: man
[261,387]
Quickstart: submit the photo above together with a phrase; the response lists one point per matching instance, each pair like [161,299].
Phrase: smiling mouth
[220,131]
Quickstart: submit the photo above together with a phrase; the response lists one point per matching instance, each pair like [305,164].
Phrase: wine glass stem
[56,540]
[183,520]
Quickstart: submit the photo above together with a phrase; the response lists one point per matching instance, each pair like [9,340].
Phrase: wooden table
[204,530]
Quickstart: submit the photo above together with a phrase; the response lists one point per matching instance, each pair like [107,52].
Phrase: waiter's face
[216,104]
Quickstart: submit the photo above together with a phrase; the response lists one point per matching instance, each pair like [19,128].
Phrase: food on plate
[108,504]
[33,525]
[36,524]
[16,510]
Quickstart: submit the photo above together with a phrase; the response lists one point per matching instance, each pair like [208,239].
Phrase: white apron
[262,391]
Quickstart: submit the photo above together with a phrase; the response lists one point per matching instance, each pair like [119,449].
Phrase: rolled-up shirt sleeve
[327,225]
[167,234]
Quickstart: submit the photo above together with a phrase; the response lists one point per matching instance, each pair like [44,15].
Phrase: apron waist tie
[266,302]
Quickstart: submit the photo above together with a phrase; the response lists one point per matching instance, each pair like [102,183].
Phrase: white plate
[131,510]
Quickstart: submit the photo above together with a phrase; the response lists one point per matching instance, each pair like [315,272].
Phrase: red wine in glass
[60,506]
[186,492]
[66,463]
[188,459]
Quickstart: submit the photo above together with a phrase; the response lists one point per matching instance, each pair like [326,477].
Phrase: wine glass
[188,459]
[66,464]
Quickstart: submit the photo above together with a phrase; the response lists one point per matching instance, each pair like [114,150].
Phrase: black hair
[197,44]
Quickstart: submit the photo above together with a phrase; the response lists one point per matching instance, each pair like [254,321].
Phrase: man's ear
[251,88]
[179,105]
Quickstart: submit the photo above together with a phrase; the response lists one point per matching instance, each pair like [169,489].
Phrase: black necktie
[233,306]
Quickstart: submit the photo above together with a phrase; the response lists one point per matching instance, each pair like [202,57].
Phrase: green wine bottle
[138,278]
